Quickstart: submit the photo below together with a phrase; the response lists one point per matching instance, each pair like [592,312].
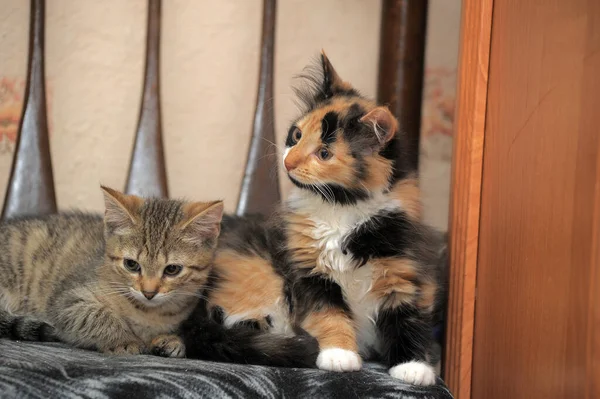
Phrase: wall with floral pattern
[438,109]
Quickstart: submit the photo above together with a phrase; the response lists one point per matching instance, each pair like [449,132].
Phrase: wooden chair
[31,187]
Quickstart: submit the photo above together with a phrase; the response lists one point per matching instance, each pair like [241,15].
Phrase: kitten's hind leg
[407,340]
[26,328]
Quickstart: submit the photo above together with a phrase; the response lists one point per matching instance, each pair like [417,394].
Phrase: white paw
[337,359]
[416,373]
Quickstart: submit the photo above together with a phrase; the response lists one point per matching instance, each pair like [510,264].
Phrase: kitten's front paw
[168,346]
[133,348]
[416,373]
[337,359]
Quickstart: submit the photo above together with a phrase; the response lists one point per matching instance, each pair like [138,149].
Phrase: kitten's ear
[120,210]
[383,122]
[202,221]
[332,83]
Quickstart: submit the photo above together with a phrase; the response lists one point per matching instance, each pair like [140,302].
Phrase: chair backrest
[31,186]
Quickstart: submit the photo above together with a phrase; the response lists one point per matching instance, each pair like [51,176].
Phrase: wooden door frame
[467,168]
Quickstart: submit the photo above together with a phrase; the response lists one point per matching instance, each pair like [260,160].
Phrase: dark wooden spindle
[31,186]
[147,172]
[401,66]
[260,185]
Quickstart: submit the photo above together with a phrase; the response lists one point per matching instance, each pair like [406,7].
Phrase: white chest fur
[333,223]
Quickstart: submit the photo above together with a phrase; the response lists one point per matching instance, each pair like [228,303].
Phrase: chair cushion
[40,370]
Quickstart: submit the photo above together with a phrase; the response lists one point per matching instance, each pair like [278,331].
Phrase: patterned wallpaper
[11,102]
[438,109]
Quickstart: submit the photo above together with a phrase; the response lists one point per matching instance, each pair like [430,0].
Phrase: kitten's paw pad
[127,349]
[416,373]
[168,346]
[337,359]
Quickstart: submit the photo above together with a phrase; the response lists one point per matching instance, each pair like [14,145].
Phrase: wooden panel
[147,172]
[538,239]
[467,163]
[593,366]
[31,185]
[260,186]
[401,64]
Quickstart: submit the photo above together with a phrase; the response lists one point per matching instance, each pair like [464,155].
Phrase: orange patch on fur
[249,285]
[379,171]
[393,282]
[409,194]
[304,250]
[427,298]
[339,169]
[332,328]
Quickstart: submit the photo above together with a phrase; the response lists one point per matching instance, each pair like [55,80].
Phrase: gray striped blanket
[40,370]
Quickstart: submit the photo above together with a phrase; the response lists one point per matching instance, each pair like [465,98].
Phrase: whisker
[273,144]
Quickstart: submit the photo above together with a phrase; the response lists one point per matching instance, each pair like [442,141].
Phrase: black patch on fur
[315,292]
[289,140]
[406,334]
[361,138]
[206,340]
[217,315]
[329,126]
[351,121]
[385,234]
[394,150]
[289,298]
[334,193]
[246,235]
[251,324]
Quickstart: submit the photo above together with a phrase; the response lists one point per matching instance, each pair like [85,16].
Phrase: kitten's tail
[25,328]
[212,341]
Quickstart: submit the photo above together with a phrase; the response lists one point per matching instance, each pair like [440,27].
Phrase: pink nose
[289,165]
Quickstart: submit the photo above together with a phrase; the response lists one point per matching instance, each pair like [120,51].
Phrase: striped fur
[64,276]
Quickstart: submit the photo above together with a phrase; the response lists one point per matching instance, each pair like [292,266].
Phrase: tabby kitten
[120,285]
[347,259]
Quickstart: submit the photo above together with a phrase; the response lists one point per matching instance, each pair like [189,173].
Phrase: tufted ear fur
[332,83]
[120,215]
[202,221]
[382,121]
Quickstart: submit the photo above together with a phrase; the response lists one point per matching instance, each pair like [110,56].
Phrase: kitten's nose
[149,294]
[289,164]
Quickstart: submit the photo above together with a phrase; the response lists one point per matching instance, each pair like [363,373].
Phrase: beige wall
[209,61]
[209,76]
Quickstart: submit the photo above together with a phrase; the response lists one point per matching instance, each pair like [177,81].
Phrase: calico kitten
[347,259]
[120,285]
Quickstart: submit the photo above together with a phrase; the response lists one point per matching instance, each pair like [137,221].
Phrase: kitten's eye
[324,154]
[297,135]
[172,270]
[132,265]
